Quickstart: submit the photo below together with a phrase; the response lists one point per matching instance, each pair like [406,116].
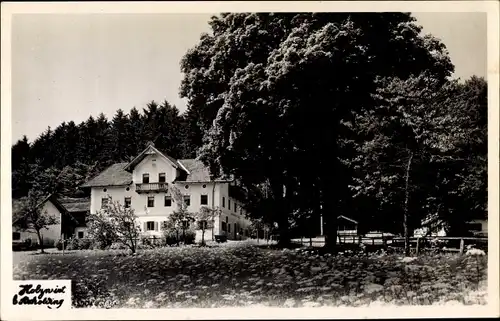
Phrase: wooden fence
[446,243]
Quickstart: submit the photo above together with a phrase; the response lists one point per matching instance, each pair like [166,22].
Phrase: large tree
[284,88]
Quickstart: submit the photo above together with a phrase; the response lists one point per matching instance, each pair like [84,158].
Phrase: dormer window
[145,178]
[162,178]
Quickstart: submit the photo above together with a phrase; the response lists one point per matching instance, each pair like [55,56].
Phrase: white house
[68,212]
[142,184]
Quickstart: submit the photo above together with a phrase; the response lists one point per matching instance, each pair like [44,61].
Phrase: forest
[314,114]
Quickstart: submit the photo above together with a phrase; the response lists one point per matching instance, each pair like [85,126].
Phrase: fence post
[418,244]
[462,243]
[373,241]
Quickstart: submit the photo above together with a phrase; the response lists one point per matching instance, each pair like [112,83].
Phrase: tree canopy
[277,96]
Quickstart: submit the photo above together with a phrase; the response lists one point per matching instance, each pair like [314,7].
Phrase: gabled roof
[197,172]
[347,219]
[114,175]
[120,174]
[64,205]
[148,150]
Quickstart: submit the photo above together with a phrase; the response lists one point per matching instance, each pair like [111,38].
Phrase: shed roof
[347,219]
[74,205]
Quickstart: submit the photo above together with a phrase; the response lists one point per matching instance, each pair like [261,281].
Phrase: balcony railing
[151,187]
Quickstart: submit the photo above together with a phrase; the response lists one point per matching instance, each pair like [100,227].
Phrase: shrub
[59,244]
[75,244]
[170,237]
[114,223]
[188,237]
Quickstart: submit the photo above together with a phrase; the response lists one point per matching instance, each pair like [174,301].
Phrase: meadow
[242,274]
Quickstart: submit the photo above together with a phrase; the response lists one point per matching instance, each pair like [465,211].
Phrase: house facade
[69,213]
[143,185]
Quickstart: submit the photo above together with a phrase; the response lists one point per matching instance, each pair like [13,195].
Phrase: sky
[68,67]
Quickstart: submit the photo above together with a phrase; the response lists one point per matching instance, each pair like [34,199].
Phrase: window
[223,201]
[227,219]
[80,235]
[187,200]
[150,226]
[229,204]
[224,226]
[104,202]
[168,201]
[162,178]
[145,178]
[151,201]
[128,201]
[204,200]
[235,207]
[204,186]
[229,228]
[105,190]
[186,187]
[127,189]
[16,236]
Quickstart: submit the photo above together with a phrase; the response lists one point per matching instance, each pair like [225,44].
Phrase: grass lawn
[239,274]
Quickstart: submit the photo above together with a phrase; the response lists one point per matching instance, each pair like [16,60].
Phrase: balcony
[151,187]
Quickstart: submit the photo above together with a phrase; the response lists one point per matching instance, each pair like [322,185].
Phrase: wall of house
[81,229]
[117,193]
[51,235]
[229,215]
[153,165]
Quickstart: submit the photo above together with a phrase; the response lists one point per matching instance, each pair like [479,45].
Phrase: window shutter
[156,226]
[145,226]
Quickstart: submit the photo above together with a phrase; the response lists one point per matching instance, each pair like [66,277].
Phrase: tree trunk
[202,236]
[329,195]
[405,209]
[330,226]
[279,194]
[40,241]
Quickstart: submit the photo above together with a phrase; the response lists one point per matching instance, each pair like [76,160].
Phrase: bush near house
[76,244]
[172,237]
